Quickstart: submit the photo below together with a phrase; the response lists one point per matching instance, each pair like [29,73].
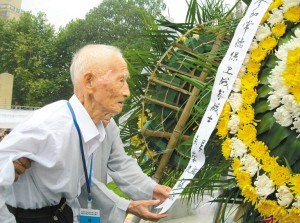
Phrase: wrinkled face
[111,89]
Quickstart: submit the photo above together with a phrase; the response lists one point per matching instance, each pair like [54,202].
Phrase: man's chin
[105,122]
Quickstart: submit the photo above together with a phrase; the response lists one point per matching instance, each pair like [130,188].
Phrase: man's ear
[88,81]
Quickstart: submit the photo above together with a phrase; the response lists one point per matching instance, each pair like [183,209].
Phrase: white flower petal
[275,17]
[235,101]
[284,196]
[264,186]
[262,32]
[249,164]
[233,123]
[238,148]
[283,116]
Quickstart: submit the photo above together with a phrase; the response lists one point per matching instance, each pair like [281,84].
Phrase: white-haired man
[73,145]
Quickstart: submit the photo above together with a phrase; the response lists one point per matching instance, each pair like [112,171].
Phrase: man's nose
[126,91]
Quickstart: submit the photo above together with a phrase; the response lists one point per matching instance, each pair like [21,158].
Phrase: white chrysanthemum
[274,100]
[284,196]
[238,148]
[284,49]
[262,32]
[288,111]
[279,69]
[235,100]
[288,4]
[297,202]
[249,164]
[264,186]
[276,82]
[283,117]
[233,123]
[237,85]
[289,102]
[275,17]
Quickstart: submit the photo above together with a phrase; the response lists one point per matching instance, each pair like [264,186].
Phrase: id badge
[89,216]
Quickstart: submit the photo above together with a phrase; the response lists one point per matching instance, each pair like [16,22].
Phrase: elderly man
[73,146]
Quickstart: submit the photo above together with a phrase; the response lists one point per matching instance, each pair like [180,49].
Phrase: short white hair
[90,56]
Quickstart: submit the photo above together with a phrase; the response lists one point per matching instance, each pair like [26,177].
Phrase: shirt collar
[88,129]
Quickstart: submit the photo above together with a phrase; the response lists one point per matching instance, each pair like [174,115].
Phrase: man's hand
[141,209]
[20,166]
[161,192]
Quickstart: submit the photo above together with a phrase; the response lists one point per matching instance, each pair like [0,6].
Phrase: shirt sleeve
[6,179]
[127,174]
[11,148]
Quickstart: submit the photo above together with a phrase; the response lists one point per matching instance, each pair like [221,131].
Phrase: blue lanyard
[88,179]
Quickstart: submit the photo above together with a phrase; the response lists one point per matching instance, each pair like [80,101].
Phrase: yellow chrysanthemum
[236,164]
[222,126]
[243,178]
[291,77]
[280,175]
[249,81]
[293,14]
[135,140]
[269,163]
[293,217]
[249,96]
[258,150]
[265,17]
[141,120]
[295,184]
[226,148]
[279,29]
[258,54]
[253,67]
[268,43]
[275,4]
[293,56]
[246,114]
[247,134]
[266,207]
[250,194]
[226,109]
[280,213]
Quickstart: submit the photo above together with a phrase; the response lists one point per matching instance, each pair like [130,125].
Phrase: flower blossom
[249,164]
[283,116]
[275,17]
[238,148]
[264,186]
[284,196]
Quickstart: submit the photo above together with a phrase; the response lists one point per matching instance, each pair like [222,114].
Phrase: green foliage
[26,50]
[39,58]
[170,63]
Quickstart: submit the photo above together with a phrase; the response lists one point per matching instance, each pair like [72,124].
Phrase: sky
[60,12]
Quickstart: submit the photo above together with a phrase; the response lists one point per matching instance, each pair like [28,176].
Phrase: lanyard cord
[87,179]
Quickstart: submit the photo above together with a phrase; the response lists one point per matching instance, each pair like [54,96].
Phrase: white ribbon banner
[225,78]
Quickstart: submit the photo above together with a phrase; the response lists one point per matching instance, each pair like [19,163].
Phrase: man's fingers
[152,202]
[154,216]
[25,162]
[19,168]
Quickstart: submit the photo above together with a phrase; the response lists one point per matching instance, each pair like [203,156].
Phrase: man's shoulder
[49,115]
